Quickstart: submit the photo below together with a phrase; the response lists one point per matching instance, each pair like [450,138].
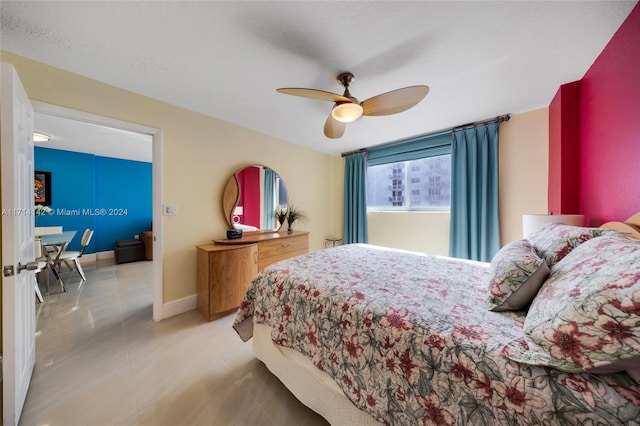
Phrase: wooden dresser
[226,267]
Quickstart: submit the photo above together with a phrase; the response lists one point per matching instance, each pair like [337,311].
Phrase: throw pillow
[587,315]
[555,240]
[517,273]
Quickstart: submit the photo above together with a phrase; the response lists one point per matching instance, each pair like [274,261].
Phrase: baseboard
[92,257]
[87,258]
[180,306]
[105,255]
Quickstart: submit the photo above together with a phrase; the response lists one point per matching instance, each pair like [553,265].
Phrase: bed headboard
[631,226]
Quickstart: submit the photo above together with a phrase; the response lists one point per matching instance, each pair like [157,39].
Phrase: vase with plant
[294,215]
[281,216]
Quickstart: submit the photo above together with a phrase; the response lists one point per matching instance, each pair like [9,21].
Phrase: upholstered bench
[128,251]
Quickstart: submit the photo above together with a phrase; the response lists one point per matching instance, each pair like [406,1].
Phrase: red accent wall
[610,128]
[609,133]
[564,147]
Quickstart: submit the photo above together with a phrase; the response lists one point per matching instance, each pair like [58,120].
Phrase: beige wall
[426,232]
[199,154]
[524,146]
[524,165]
[338,195]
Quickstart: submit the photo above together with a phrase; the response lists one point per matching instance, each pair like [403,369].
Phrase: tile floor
[102,361]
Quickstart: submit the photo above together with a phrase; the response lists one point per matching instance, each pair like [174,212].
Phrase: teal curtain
[475,227]
[355,199]
[411,149]
[269,212]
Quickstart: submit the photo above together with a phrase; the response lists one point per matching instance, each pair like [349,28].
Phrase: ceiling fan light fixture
[40,137]
[347,112]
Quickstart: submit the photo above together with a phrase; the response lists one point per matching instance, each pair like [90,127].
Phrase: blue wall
[109,195]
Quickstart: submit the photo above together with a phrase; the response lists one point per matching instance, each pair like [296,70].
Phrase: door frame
[156,172]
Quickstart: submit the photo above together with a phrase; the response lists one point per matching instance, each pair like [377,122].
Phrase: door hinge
[8,271]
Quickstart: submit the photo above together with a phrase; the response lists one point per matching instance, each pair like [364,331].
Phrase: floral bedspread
[411,339]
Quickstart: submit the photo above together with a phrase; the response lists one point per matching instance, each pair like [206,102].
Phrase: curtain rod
[355,151]
[497,119]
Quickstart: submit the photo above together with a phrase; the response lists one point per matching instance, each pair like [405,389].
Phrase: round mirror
[251,198]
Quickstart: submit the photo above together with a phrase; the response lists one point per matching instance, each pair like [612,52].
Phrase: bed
[547,333]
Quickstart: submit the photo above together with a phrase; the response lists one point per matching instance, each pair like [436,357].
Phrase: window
[423,184]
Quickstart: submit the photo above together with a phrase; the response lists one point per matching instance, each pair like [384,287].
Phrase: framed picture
[42,187]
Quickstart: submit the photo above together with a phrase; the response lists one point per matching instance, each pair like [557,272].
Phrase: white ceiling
[225,59]
[79,136]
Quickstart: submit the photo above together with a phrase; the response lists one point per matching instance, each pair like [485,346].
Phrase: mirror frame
[231,195]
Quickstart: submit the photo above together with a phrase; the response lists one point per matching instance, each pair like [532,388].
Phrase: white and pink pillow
[555,240]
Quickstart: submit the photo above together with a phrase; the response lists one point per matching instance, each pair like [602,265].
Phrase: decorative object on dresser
[226,267]
[294,215]
[281,217]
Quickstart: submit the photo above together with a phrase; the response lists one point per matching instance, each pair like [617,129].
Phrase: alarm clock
[234,234]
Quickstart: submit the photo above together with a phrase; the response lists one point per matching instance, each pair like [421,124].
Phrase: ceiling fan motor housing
[345,79]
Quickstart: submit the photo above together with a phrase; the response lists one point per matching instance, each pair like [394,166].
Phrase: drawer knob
[286,245]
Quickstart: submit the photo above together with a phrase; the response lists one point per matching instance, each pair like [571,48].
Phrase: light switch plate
[169,210]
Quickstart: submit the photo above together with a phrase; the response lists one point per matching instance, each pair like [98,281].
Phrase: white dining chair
[67,256]
[42,264]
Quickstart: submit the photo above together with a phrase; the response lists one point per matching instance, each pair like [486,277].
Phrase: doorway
[156,160]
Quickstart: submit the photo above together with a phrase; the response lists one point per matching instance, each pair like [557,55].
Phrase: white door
[18,293]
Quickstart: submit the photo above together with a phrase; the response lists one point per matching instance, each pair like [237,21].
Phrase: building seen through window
[423,184]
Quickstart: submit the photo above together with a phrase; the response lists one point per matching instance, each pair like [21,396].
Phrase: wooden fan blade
[333,128]
[313,93]
[395,101]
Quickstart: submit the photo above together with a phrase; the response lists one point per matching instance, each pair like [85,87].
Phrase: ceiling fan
[348,109]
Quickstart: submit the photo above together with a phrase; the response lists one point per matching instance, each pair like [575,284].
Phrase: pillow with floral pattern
[586,317]
[555,240]
[517,273]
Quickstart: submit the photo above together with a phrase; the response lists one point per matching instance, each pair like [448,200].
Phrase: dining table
[54,245]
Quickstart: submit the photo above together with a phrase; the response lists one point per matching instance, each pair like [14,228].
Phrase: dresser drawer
[263,263]
[283,246]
